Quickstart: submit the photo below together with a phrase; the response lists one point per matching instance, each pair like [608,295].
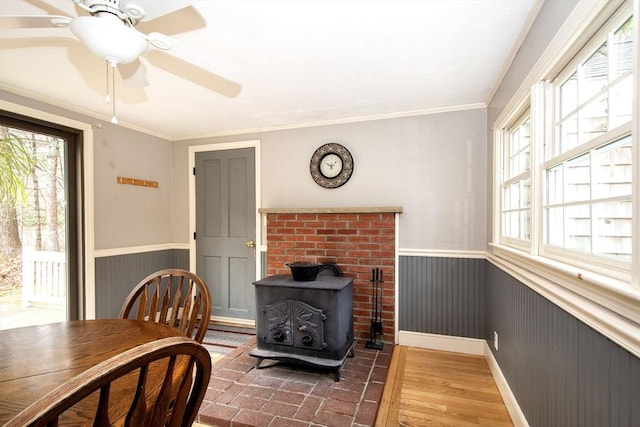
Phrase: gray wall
[117,275]
[434,166]
[431,165]
[128,215]
[562,372]
[441,296]
[124,215]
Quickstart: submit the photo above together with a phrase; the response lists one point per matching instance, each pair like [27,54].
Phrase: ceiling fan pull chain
[114,119]
[107,98]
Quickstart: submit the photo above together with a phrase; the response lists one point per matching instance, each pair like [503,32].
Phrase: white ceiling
[298,62]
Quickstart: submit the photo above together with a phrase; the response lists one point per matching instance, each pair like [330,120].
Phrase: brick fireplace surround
[357,239]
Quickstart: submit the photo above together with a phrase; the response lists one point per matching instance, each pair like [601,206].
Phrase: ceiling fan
[109,31]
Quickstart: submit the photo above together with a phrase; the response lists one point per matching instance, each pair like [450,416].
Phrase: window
[588,201]
[566,163]
[597,95]
[588,163]
[516,182]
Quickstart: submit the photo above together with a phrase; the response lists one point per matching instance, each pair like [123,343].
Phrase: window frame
[608,303]
[86,307]
[618,269]
[523,115]
[541,104]
[72,155]
[582,54]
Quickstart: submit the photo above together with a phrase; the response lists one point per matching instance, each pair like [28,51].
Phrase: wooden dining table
[36,359]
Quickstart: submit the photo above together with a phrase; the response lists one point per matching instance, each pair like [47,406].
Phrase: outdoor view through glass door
[38,217]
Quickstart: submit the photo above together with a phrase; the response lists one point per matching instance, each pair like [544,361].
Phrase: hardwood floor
[437,388]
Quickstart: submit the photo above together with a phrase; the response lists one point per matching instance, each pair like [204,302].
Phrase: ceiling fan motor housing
[125,10]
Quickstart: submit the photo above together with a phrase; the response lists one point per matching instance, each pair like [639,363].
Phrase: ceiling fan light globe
[109,38]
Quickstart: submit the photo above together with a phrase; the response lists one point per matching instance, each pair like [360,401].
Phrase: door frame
[87,290]
[224,146]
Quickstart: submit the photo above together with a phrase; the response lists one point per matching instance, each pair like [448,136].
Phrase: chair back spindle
[174,297]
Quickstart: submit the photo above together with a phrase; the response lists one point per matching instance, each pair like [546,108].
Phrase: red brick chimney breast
[357,241]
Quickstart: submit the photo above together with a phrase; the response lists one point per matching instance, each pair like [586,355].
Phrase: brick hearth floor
[289,395]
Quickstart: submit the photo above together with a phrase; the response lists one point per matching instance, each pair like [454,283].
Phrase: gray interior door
[225,229]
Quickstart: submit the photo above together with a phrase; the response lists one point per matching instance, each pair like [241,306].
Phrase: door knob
[251,244]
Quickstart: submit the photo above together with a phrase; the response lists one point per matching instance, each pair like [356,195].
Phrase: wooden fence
[44,277]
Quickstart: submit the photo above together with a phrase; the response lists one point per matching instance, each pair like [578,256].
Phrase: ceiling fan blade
[91,70]
[46,7]
[28,42]
[134,74]
[179,21]
[193,73]
[8,22]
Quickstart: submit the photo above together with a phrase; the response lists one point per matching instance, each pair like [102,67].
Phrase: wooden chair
[167,402]
[174,297]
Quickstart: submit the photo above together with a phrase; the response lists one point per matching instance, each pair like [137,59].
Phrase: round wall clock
[331,165]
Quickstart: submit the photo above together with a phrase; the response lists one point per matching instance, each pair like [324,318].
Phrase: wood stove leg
[258,362]
[336,374]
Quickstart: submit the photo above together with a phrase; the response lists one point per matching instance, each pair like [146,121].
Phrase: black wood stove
[305,322]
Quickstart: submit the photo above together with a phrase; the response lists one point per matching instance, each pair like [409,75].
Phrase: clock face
[331,165]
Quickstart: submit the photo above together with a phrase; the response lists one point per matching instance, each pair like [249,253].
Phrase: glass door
[39,213]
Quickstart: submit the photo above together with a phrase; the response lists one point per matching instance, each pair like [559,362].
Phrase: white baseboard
[233,321]
[442,342]
[474,346]
[510,401]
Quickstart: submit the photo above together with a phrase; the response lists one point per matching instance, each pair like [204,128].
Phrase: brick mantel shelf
[358,239]
[382,209]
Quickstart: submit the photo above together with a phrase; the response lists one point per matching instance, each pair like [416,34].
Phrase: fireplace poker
[376,312]
[380,282]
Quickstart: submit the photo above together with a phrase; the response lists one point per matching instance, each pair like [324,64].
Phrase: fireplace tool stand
[376,314]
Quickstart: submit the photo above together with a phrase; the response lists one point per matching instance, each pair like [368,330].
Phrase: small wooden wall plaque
[140,182]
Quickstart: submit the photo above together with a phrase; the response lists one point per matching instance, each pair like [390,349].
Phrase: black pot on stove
[304,271]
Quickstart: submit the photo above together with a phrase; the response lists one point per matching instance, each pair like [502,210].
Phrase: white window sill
[609,306]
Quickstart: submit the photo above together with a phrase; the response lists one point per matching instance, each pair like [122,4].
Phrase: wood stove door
[308,326]
[277,318]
